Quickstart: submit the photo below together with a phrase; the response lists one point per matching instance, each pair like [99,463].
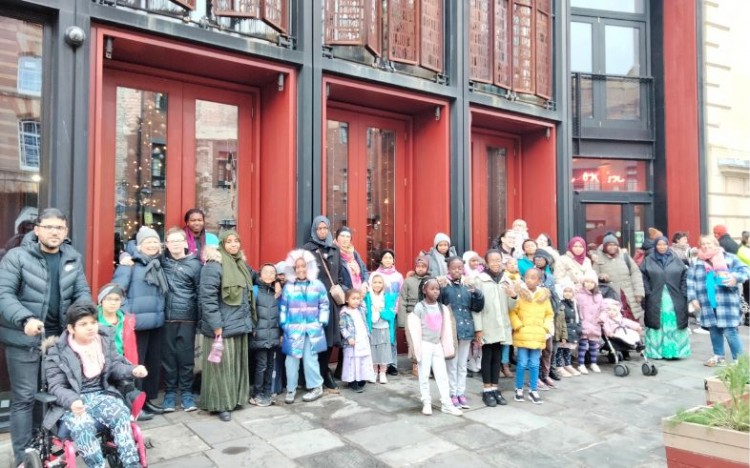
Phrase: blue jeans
[505,356]
[527,359]
[310,366]
[717,341]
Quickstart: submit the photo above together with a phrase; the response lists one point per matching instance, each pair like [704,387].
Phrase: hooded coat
[233,320]
[304,311]
[144,297]
[531,320]
[673,276]
[494,320]
[438,266]
[24,292]
[64,373]
[624,276]
[267,330]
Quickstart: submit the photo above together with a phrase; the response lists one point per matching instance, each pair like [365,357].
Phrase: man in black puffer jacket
[38,282]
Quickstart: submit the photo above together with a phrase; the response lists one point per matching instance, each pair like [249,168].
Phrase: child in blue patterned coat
[303,313]
[355,341]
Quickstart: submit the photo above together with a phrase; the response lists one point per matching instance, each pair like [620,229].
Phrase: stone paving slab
[271,428]
[173,441]
[248,452]
[347,457]
[194,461]
[300,443]
[390,436]
[456,458]
[416,453]
[214,430]
[514,420]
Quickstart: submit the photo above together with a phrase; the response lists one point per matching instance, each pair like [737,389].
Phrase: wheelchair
[56,449]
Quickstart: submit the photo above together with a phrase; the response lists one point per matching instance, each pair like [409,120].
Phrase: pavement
[593,420]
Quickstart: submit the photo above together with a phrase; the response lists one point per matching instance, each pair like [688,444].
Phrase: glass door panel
[140,162]
[496,191]
[380,193]
[601,218]
[337,173]
[216,161]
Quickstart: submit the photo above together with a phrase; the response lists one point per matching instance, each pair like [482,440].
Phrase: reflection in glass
[337,167]
[496,192]
[20,129]
[381,191]
[216,131]
[581,53]
[140,163]
[639,222]
[622,51]
[609,175]
[622,6]
[601,219]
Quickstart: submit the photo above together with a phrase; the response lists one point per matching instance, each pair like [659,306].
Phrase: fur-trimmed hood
[312,264]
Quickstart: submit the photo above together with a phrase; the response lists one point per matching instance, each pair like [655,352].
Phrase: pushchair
[615,347]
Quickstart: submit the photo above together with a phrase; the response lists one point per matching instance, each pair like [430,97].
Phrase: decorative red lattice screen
[502,50]
[543,49]
[431,35]
[237,8]
[523,46]
[275,13]
[402,31]
[345,22]
[480,40]
[374,26]
[189,4]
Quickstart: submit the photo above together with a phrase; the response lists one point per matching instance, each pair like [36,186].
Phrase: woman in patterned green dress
[666,316]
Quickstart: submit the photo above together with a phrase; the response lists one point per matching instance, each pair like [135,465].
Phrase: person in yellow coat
[532,323]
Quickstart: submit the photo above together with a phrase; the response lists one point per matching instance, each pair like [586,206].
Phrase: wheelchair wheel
[621,370]
[627,370]
[646,369]
[113,460]
[32,459]
[611,358]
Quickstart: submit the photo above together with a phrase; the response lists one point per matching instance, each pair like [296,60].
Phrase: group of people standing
[522,299]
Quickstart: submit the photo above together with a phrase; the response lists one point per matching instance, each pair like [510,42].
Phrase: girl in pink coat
[590,307]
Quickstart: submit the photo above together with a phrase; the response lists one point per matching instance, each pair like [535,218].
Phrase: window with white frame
[29,144]
[30,75]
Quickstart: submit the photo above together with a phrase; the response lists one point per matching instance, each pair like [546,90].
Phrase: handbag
[336,291]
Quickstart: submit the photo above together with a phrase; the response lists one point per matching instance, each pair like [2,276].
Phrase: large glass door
[168,146]
[491,183]
[365,180]
[627,221]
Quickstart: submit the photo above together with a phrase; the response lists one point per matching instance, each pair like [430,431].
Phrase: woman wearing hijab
[712,283]
[666,314]
[575,263]
[228,310]
[328,259]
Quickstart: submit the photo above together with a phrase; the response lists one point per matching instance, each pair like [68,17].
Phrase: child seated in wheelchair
[82,369]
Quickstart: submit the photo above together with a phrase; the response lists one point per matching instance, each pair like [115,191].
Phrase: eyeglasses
[48,227]
[176,241]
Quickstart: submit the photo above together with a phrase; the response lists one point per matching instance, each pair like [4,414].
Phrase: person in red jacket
[110,315]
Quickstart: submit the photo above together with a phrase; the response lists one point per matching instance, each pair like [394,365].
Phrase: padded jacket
[215,313]
[24,292]
[142,298]
[64,373]
[493,321]
[183,277]
[332,256]
[463,302]
[624,276]
[267,329]
[531,320]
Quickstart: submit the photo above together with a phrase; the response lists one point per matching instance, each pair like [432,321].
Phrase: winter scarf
[714,258]
[350,260]
[235,277]
[577,240]
[91,355]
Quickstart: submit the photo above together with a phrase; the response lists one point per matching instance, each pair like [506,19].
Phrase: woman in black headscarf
[328,257]
[666,315]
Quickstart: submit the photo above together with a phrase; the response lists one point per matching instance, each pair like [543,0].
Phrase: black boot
[329,382]
[553,374]
[499,398]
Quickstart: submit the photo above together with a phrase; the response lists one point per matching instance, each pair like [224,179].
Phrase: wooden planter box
[692,445]
[716,391]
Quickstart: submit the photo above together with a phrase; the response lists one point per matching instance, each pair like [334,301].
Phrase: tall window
[30,75]
[29,143]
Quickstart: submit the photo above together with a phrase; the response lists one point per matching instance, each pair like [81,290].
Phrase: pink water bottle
[217,349]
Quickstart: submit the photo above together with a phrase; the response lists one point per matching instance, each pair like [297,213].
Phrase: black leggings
[491,364]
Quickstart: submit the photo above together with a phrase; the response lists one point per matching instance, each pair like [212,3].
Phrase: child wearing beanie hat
[590,306]
[111,315]
[409,296]
[440,252]
[568,336]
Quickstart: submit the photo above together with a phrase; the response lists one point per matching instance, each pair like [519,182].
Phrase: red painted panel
[539,187]
[678,458]
[277,169]
[681,118]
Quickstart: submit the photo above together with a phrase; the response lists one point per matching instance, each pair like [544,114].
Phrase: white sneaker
[582,369]
[383,379]
[427,409]
[452,410]
[595,368]
[700,331]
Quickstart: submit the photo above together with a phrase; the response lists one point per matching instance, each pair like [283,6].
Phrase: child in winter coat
[266,337]
[473,266]
[111,316]
[617,326]
[532,322]
[408,298]
[357,369]
[590,307]
[432,338]
[381,319]
[464,300]
[567,341]
[394,281]
[439,254]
